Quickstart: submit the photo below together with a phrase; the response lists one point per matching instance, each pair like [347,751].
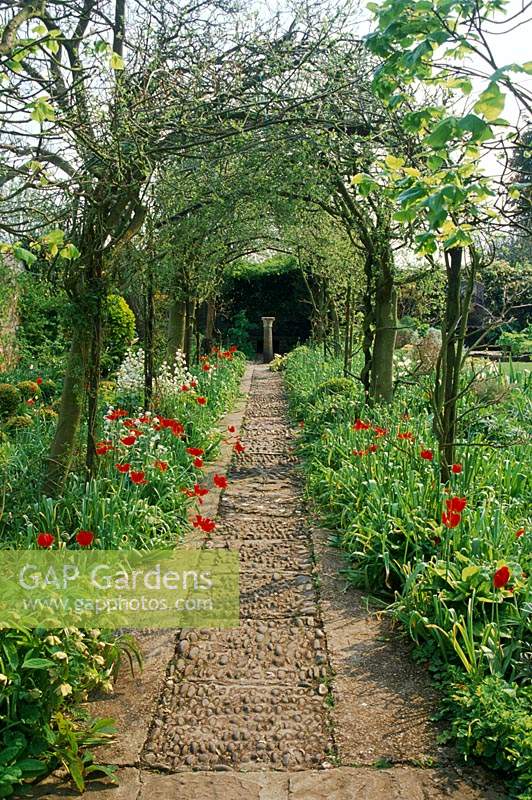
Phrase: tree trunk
[367,328]
[58,462]
[347,339]
[385,332]
[189,330]
[148,341]
[176,329]
[208,341]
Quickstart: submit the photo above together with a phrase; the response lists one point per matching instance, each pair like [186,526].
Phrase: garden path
[309,696]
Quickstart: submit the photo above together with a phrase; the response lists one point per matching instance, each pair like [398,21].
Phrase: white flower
[60,656]
[64,689]
[53,640]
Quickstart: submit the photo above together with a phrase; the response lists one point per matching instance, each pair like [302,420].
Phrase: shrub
[48,389]
[119,331]
[10,399]
[519,344]
[47,412]
[333,386]
[18,422]
[28,389]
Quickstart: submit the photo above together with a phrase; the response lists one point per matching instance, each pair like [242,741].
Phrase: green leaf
[28,257]
[468,572]
[442,133]
[37,663]
[70,251]
[527,67]
[116,61]
[491,102]
[42,110]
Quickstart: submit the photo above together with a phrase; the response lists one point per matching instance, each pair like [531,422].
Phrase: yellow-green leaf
[116,61]
[491,102]
[392,162]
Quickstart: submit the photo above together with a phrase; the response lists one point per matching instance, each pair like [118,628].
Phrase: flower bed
[148,483]
[454,561]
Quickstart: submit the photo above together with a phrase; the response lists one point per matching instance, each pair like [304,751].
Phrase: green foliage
[28,389]
[251,270]
[368,481]
[43,310]
[41,673]
[17,423]
[119,331]
[240,334]
[10,399]
[491,718]
[334,386]
[48,389]
[519,344]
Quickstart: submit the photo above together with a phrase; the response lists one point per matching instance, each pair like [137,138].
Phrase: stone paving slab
[252,526]
[277,595]
[281,504]
[208,726]
[257,651]
[268,555]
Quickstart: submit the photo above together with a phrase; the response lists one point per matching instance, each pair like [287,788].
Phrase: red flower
[456,504]
[201,400]
[172,425]
[451,519]
[239,447]
[123,468]
[360,452]
[30,402]
[160,465]
[408,435]
[45,540]
[501,577]
[380,431]
[184,388]
[206,366]
[233,348]
[200,491]
[358,425]
[372,448]
[129,440]
[103,447]
[220,481]
[195,451]
[198,462]
[519,533]
[188,492]
[193,384]
[138,478]
[456,468]
[427,454]
[231,428]
[116,414]
[207,525]
[39,381]
[84,538]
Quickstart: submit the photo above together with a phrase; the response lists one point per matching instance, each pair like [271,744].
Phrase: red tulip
[184,388]
[233,348]
[456,504]
[195,451]
[206,367]
[451,519]
[138,478]
[129,440]
[372,448]
[220,481]
[102,448]
[45,540]
[198,463]
[200,491]
[358,425]
[207,525]
[519,533]
[201,401]
[231,428]
[501,577]
[380,431]
[408,435]
[360,452]
[84,538]
[39,381]
[123,468]
[162,466]
[427,454]
[239,447]
[456,468]
[116,413]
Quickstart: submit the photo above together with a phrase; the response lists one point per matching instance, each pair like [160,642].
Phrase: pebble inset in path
[255,696]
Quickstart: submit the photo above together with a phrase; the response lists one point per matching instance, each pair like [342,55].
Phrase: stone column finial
[267,350]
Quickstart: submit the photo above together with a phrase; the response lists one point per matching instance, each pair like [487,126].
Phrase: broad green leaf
[393,162]
[70,251]
[491,102]
[527,67]
[42,110]
[468,572]
[37,663]
[24,255]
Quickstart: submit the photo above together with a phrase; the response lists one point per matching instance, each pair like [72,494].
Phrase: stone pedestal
[267,351]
